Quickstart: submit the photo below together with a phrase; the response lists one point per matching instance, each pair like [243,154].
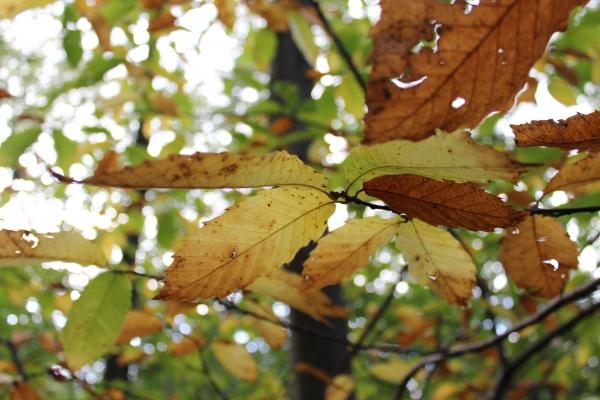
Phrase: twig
[211,380]
[340,46]
[140,274]
[14,355]
[558,212]
[459,350]
[354,199]
[503,382]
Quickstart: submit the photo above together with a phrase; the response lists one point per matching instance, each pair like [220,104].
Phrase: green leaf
[94,70]
[72,46]
[16,144]
[66,150]
[303,36]
[116,10]
[96,319]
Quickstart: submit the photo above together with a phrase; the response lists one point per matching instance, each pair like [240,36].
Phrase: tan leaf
[341,252]
[455,157]
[581,132]
[480,59]
[579,177]
[251,239]
[10,8]
[23,391]
[437,260]
[19,248]
[443,202]
[139,323]
[538,254]
[392,371]
[185,346]
[272,332]
[226,12]
[212,170]
[289,288]
[236,360]
[340,388]
[162,21]
[163,104]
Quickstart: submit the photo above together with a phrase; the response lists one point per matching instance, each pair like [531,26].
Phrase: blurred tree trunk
[289,65]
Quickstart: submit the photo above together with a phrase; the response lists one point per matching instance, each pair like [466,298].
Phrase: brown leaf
[161,21]
[581,132]
[538,254]
[22,391]
[138,323]
[186,346]
[226,12]
[478,59]
[578,177]
[443,202]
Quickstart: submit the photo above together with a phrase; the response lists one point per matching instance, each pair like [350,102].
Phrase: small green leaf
[303,36]
[66,150]
[96,319]
[72,46]
[16,144]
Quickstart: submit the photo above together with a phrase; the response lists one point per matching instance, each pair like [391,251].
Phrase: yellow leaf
[538,255]
[340,388]
[580,177]
[346,249]
[289,288]
[393,370]
[235,359]
[138,323]
[451,156]
[251,239]
[273,333]
[213,170]
[10,8]
[437,260]
[19,248]
[226,12]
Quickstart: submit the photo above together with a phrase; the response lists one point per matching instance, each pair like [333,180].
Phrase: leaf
[10,8]
[453,157]
[66,150]
[138,323]
[272,332]
[443,202]
[212,170]
[16,144]
[96,318]
[580,132]
[252,239]
[185,346]
[303,37]
[437,260]
[437,65]
[538,254]
[19,248]
[23,391]
[578,177]
[72,46]
[341,252]
[393,370]
[236,360]
[226,12]
[289,288]
[340,388]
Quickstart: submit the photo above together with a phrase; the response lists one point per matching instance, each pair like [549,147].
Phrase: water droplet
[458,102]
[409,84]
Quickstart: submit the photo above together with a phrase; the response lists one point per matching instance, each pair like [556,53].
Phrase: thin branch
[539,316]
[135,273]
[559,212]
[206,370]
[503,381]
[14,355]
[340,46]
[354,199]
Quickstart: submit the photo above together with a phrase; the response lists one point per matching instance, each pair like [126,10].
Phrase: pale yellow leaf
[236,360]
[451,156]
[393,370]
[139,323]
[340,388]
[437,260]
[289,288]
[538,255]
[346,249]
[251,239]
[272,332]
[19,248]
[213,170]
[580,177]
[10,8]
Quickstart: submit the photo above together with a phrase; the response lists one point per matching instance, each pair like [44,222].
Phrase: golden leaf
[437,260]
[272,332]
[437,65]
[235,359]
[25,248]
[538,254]
[579,177]
[289,288]
[393,370]
[251,239]
[139,323]
[443,202]
[10,8]
[340,388]
[581,132]
[226,12]
[341,252]
[185,346]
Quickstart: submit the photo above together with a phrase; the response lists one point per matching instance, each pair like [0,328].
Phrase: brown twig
[14,355]
[559,212]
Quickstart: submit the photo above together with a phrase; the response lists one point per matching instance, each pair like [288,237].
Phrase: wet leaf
[538,254]
[443,202]
[440,65]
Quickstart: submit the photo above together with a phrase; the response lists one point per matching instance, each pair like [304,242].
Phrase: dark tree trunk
[289,65]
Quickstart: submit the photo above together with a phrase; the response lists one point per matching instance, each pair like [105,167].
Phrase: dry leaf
[162,21]
[579,177]
[139,323]
[19,248]
[211,170]
[275,13]
[10,8]
[444,202]
[251,239]
[437,260]
[340,388]
[235,359]
[22,391]
[185,346]
[455,157]
[478,59]
[392,371]
[581,132]
[288,287]
[163,104]
[538,254]
[226,12]
[343,251]
[272,332]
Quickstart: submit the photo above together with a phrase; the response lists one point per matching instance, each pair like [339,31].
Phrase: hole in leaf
[458,102]
[407,84]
